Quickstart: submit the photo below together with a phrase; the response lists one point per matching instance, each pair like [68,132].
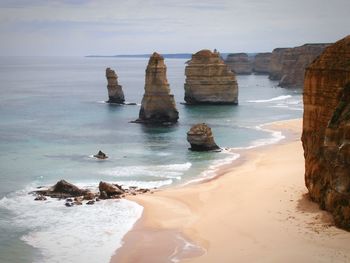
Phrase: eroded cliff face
[240,63]
[158,105]
[209,80]
[261,64]
[288,64]
[326,131]
[115,92]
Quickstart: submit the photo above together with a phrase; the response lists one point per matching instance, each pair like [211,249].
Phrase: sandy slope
[257,212]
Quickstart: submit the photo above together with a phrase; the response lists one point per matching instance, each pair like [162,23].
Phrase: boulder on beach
[201,138]
[108,190]
[63,189]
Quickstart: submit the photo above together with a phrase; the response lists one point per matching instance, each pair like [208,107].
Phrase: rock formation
[209,80]
[288,64]
[101,155]
[110,190]
[240,63]
[115,92]
[326,131]
[63,189]
[261,63]
[158,105]
[201,138]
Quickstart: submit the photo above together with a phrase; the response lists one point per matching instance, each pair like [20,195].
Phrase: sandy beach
[257,211]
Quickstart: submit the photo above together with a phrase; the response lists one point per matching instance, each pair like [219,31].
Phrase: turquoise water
[53,119]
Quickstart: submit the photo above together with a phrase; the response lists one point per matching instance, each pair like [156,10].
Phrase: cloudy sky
[107,27]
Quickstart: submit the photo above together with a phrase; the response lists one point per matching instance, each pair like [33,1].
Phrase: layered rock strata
[201,138]
[158,105]
[261,63]
[209,80]
[288,64]
[240,63]
[115,91]
[326,131]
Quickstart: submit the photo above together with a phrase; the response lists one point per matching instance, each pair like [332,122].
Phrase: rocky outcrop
[100,155]
[62,189]
[209,80]
[288,64]
[115,92]
[240,63]
[110,190]
[201,138]
[261,63]
[326,131]
[158,105]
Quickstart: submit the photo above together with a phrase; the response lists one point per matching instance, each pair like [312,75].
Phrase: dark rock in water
[77,203]
[69,200]
[68,204]
[91,202]
[109,190]
[209,80]
[201,138]
[62,189]
[40,198]
[115,92]
[158,105]
[101,155]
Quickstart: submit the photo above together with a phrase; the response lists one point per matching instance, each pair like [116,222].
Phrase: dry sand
[258,211]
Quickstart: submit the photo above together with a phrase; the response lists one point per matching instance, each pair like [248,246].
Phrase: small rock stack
[115,91]
[201,138]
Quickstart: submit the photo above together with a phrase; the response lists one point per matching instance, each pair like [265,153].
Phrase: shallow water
[53,119]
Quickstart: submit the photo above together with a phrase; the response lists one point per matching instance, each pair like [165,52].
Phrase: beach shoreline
[256,208]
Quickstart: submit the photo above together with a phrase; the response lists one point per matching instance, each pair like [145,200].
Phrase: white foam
[283,97]
[72,234]
[171,171]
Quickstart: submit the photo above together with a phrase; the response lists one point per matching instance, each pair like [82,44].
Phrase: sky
[107,27]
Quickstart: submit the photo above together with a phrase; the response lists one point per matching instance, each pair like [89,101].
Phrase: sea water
[54,118]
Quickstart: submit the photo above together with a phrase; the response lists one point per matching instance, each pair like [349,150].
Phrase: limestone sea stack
[158,105]
[326,131]
[201,138]
[209,80]
[240,63]
[115,92]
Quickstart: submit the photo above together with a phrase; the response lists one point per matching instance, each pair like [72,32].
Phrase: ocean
[54,118]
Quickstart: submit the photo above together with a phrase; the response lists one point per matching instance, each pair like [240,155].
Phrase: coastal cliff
[288,64]
[326,131]
[158,105]
[209,80]
[115,92]
[261,63]
[239,63]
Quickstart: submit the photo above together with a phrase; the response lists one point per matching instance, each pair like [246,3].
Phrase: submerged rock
[209,80]
[326,131]
[158,105]
[101,155]
[115,91]
[201,138]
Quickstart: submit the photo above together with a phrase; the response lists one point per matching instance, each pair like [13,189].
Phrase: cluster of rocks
[326,131]
[209,80]
[286,65]
[73,195]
